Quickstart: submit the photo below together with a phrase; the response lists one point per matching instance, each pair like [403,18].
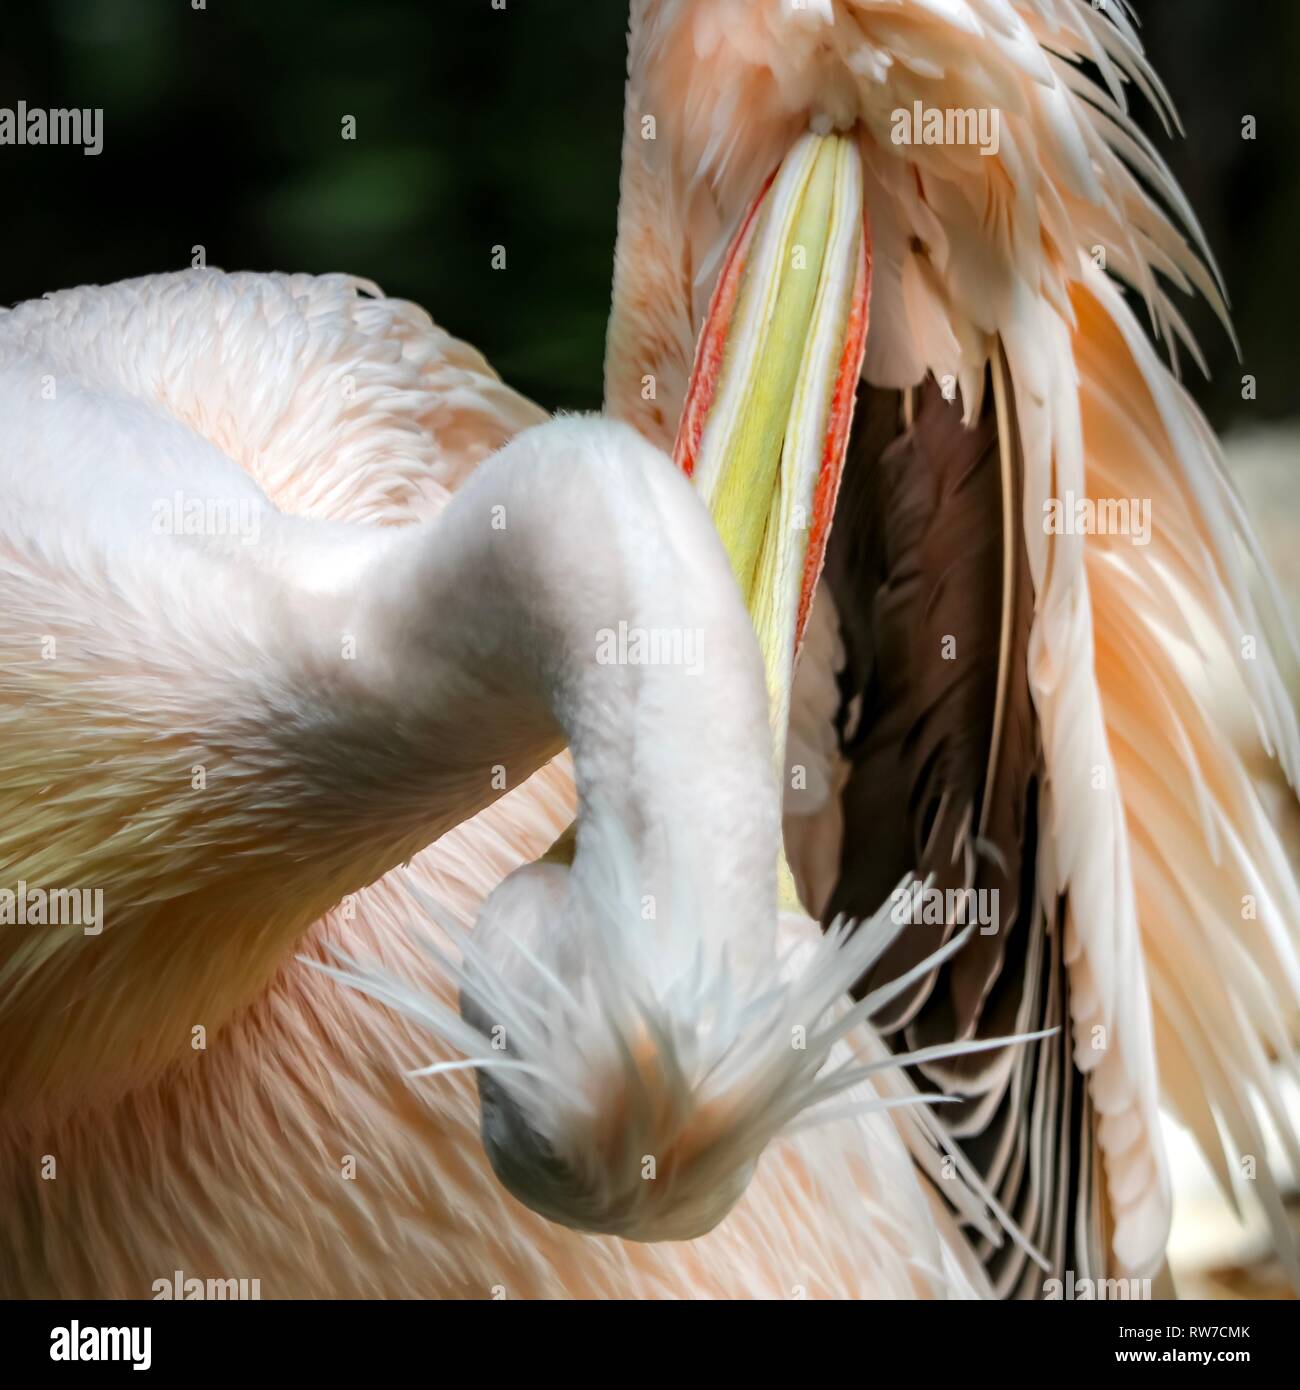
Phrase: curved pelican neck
[576,590]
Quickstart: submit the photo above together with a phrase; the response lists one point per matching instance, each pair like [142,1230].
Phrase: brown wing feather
[928,569]
[917,570]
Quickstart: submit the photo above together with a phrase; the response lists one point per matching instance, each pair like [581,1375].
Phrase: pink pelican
[299,604]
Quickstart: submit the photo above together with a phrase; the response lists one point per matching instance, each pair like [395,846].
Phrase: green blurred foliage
[475,127]
[479,127]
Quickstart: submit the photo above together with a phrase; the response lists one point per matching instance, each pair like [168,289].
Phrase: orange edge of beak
[843,401]
[713,341]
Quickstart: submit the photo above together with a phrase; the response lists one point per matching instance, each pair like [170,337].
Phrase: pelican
[299,605]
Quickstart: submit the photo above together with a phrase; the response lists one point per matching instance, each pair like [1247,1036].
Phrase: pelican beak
[766,421]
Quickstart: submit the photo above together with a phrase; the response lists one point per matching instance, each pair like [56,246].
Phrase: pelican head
[645,1064]
[631,1072]
[626,1104]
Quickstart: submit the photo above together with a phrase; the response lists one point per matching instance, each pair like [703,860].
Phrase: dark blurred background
[479,126]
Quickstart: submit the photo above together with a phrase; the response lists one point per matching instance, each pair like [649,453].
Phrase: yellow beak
[767,416]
